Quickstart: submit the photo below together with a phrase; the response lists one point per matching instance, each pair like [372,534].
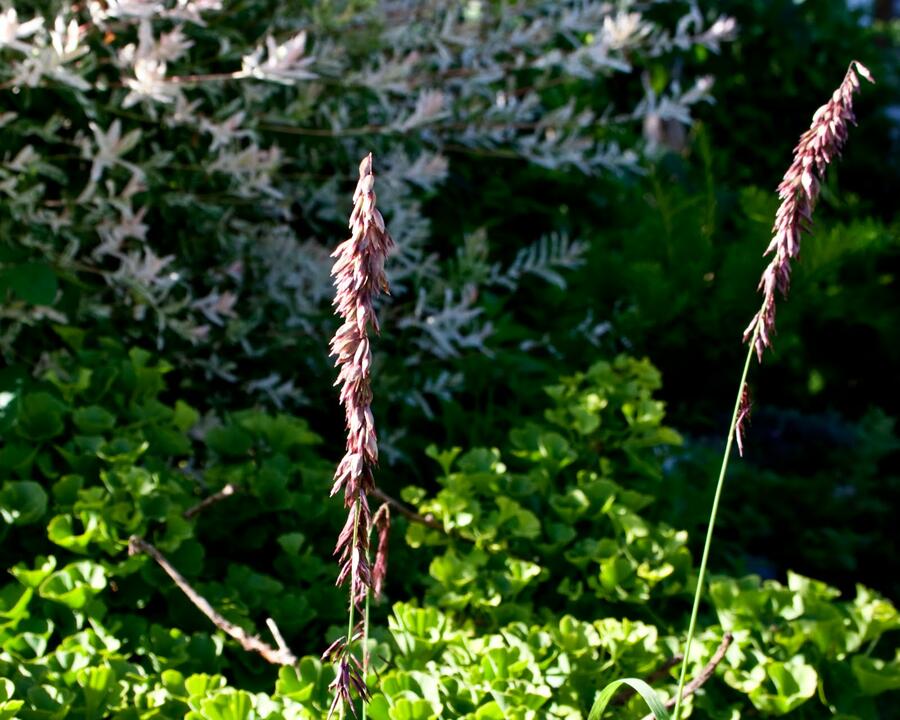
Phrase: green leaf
[122,450]
[281,432]
[33,282]
[96,683]
[32,578]
[794,681]
[49,701]
[302,682]
[75,585]
[9,708]
[71,336]
[166,441]
[229,441]
[14,599]
[444,458]
[201,684]
[229,705]
[640,687]
[412,709]
[17,457]
[61,531]
[23,502]
[378,708]
[93,420]
[876,676]
[185,416]
[65,490]
[40,416]
[291,542]
[490,711]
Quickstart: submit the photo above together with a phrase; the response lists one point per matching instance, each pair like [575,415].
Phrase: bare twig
[408,512]
[705,674]
[227,491]
[279,638]
[250,643]
[663,669]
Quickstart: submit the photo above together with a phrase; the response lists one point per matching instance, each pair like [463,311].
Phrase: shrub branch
[705,674]
[250,643]
[408,512]
[226,492]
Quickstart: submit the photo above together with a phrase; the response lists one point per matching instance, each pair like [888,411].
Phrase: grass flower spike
[799,190]
[359,277]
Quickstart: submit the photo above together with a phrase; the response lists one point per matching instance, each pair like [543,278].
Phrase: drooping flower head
[799,190]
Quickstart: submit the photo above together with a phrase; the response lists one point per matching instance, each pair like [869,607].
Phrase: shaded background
[674,261]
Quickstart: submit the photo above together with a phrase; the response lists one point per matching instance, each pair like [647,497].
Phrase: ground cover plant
[543,576]
[175,177]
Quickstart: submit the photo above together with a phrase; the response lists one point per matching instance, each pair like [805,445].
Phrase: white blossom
[149,83]
[12,31]
[283,63]
[66,39]
[25,157]
[125,9]
[114,231]
[251,168]
[227,131]
[192,10]
[111,146]
[216,306]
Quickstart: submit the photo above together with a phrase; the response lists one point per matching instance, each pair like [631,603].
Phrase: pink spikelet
[742,417]
[799,190]
[382,521]
[359,277]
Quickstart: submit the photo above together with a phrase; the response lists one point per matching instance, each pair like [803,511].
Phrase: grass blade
[640,687]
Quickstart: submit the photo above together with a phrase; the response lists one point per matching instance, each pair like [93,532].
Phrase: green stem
[351,614]
[366,646]
[676,715]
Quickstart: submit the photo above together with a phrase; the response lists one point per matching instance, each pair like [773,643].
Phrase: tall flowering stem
[799,190]
[359,277]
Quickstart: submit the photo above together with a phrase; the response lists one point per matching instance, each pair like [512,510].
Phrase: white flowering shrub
[181,168]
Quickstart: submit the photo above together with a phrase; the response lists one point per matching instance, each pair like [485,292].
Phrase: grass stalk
[365,647]
[799,190]
[701,576]
[351,615]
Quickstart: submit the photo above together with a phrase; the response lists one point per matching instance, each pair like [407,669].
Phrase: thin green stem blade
[701,576]
[640,687]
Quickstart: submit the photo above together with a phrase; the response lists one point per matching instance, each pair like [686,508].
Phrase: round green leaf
[23,502]
[93,420]
[40,416]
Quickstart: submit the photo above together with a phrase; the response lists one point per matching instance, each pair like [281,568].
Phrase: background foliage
[567,200]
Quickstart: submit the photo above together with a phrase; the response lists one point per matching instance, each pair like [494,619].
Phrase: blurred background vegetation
[674,259]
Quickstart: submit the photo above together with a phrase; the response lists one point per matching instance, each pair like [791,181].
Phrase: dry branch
[227,491]
[408,512]
[705,674]
[250,643]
